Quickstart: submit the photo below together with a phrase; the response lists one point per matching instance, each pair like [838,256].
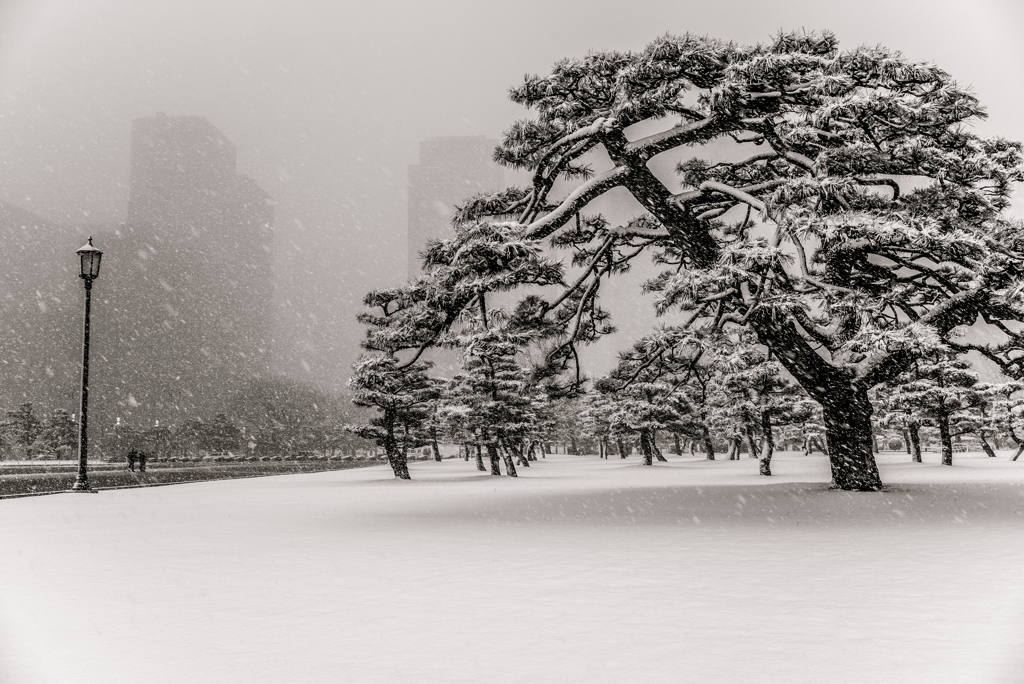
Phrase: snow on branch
[666,140]
[576,200]
[712,186]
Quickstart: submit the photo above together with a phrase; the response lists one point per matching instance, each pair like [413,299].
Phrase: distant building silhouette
[181,308]
[450,170]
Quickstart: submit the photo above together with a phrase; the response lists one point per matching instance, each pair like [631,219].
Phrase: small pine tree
[893,415]
[221,434]
[400,395]
[492,400]
[157,440]
[759,399]
[1007,415]
[58,433]
[643,408]
[942,390]
[997,411]
[22,425]
[596,419]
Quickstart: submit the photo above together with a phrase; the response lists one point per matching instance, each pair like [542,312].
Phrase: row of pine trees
[715,394]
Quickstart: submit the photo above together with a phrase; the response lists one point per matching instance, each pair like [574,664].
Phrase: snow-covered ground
[580,570]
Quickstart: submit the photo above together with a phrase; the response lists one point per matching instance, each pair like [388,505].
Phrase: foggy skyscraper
[184,296]
[202,237]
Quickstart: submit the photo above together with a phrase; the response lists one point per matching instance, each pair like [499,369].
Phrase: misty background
[327,105]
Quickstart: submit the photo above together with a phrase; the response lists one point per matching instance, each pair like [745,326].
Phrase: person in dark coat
[142,461]
[131,457]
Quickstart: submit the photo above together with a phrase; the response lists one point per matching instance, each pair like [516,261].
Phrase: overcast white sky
[327,101]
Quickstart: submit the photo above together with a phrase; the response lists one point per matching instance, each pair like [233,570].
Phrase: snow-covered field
[580,570]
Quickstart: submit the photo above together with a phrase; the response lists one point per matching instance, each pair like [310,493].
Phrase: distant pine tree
[22,426]
[58,433]
[942,390]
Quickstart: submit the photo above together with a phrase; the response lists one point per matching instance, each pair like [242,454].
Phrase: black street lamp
[90,258]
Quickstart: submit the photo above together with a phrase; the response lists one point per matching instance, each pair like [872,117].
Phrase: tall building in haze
[199,235]
[181,310]
[450,170]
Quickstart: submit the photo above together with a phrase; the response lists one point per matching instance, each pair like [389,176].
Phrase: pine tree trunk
[985,446]
[531,451]
[751,442]
[676,445]
[572,444]
[622,447]
[466,455]
[946,440]
[1020,450]
[480,459]
[848,440]
[434,446]
[510,466]
[767,446]
[492,454]
[845,404]
[646,449]
[516,449]
[654,447]
[709,446]
[906,440]
[396,458]
[913,429]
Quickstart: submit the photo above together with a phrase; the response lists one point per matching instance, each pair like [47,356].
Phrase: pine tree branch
[544,177]
[655,144]
[714,186]
[575,202]
[609,241]
[882,181]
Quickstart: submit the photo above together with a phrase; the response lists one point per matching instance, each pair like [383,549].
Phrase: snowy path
[581,570]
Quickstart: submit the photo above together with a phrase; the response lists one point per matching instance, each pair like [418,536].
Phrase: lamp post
[90,270]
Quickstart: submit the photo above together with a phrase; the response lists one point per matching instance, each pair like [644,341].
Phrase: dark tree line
[268,418]
[23,433]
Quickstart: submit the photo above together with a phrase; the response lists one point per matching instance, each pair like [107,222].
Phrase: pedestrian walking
[142,461]
[131,457]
